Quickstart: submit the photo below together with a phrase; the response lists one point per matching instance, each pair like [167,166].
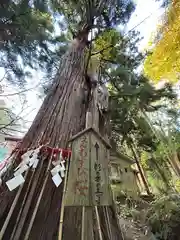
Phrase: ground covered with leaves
[155,220]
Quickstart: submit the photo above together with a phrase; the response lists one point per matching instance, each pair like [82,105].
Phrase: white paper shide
[30,160]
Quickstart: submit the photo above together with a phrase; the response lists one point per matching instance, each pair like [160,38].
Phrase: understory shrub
[163,216]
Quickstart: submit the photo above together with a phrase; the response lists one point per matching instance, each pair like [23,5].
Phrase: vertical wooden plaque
[88,178]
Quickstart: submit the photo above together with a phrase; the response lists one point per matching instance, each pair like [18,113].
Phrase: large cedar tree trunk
[62,115]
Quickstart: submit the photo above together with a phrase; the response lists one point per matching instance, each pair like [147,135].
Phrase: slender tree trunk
[62,115]
[172,162]
[162,174]
[175,163]
[136,158]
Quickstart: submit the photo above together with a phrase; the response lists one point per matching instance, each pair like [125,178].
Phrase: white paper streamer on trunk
[57,179]
[55,163]
[62,169]
[25,158]
[59,167]
[33,160]
[21,170]
[62,166]
[62,173]
[15,182]
[35,163]
[30,158]
[55,170]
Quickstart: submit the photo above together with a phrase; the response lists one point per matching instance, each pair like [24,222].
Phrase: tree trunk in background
[136,158]
[175,163]
[62,115]
[162,174]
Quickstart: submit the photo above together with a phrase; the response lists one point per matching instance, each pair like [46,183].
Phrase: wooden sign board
[88,178]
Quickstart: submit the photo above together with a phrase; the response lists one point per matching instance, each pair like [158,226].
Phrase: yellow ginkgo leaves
[164,61]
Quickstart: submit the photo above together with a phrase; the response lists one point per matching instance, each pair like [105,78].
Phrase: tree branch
[13,120]
[110,61]
[17,93]
[23,91]
[102,50]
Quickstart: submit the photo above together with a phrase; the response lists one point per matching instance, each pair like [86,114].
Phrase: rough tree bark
[62,115]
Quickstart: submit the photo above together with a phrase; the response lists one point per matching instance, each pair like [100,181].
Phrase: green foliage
[96,14]
[107,41]
[132,95]
[133,98]
[158,176]
[164,217]
[25,33]
[134,209]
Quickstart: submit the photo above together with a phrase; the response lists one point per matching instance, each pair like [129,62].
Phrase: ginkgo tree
[163,60]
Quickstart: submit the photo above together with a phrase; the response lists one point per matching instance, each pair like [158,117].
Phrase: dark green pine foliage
[131,97]
[26,31]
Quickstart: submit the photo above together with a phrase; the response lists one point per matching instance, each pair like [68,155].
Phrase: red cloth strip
[65,152]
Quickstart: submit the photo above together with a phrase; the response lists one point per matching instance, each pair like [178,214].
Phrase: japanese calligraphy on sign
[78,179]
[98,193]
[81,184]
[87,183]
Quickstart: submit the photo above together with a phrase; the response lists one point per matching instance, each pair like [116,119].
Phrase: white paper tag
[33,153]
[35,163]
[62,166]
[55,163]
[62,173]
[62,169]
[55,170]
[32,160]
[57,179]
[25,158]
[21,170]
[15,182]
[26,155]
[60,156]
